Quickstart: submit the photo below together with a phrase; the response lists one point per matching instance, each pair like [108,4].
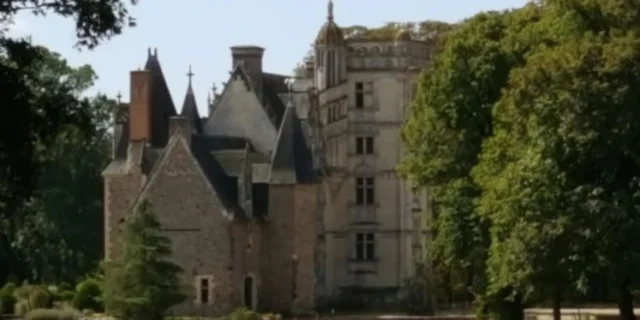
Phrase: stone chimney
[140,106]
[250,57]
[179,125]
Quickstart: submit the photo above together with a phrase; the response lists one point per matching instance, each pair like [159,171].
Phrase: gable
[239,113]
[180,191]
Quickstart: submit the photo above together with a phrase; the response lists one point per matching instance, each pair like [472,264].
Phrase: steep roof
[240,113]
[292,160]
[190,110]
[161,102]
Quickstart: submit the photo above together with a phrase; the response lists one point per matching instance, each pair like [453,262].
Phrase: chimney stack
[140,106]
[250,57]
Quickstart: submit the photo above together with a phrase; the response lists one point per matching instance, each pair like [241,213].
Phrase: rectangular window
[368,145]
[365,246]
[364,145]
[204,291]
[359,95]
[364,191]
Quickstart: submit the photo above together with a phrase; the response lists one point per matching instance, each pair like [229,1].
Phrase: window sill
[363,206]
[363,266]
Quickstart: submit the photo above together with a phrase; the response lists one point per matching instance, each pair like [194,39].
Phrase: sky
[200,32]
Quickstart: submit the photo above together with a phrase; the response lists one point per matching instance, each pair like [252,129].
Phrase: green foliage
[39,297]
[88,295]
[242,314]
[39,102]
[68,185]
[428,29]
[7,298]
[142,283]
[524,130]
[53,314]
[95,21]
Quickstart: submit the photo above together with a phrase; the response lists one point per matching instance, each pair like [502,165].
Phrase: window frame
[365,190]
[359,95]
[365,246]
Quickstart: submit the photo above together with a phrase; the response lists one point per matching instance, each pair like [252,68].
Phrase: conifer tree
[141,283]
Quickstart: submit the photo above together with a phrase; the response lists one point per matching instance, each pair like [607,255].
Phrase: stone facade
[285,198]
[373,225]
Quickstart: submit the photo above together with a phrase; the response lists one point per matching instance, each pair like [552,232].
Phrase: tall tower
[330,55]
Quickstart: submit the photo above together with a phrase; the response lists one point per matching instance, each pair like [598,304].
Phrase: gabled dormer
[239,112]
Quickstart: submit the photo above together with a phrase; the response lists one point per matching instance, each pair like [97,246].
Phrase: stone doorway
[249,291]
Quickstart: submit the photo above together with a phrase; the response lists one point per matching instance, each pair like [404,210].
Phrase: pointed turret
[190,108]
[283,161]
[161,103]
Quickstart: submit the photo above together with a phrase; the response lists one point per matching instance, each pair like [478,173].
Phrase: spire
[330,10]
[190,75]
[283,163]
[190,108]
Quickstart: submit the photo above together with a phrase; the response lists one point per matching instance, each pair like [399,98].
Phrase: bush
[40,298]
[7,299]
[243,314]
[32,297]
[88,295]
[52,314]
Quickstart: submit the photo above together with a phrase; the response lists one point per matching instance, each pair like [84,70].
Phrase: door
[248,292]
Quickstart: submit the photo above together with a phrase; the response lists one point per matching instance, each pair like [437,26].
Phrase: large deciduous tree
[532,113]
[36,108]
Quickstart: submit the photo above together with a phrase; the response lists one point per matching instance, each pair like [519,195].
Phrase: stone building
[372,226]
[285,197]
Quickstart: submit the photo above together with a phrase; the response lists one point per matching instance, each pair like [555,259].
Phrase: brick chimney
[140,106]
[250,57]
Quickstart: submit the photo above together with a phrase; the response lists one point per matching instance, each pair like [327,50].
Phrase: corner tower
[330,54]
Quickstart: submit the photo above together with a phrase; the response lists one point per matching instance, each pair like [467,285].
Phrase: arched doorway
[249,292]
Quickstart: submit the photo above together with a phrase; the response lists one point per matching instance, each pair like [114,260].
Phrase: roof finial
[214,88]
[119,97]
[330,10]
[289,82]
[149,52]
[190,75]
[155,52]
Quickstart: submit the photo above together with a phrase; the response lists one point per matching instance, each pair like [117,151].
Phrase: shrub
[243,314]
[40,298]
[52,314]
[7,299]
[87,295]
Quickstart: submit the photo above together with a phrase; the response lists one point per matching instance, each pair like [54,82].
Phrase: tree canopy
[45,127]
[523,128]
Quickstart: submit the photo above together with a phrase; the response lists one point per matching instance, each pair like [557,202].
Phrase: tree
[36,108]
[449,120]
[142,283]
[576,102]
[524,128]
[95,20]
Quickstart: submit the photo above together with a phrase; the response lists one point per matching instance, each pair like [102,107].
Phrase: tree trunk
[625,301]
[557,304]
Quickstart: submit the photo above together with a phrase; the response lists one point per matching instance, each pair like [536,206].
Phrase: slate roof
[292,160]
[222,156]
[190,110]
